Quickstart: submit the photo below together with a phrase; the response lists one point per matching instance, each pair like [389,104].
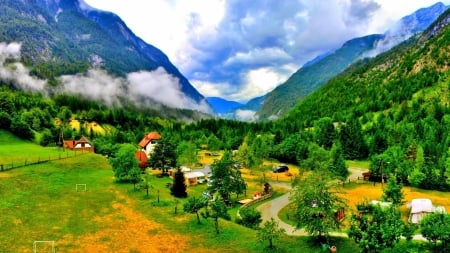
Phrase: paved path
[271,208]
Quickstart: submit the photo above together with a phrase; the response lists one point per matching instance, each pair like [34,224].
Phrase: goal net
[44,246]
[80,187]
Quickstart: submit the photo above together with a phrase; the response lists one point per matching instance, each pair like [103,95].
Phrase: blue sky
[239,49]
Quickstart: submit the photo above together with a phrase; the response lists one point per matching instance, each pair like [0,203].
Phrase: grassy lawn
[15,151]
[40,203]
[358,164]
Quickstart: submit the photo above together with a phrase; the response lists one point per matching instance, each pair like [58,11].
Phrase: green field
[40,203]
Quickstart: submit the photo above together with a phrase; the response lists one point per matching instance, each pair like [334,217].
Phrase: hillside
[413,74]
[59,38]
[312,76]
[318,71]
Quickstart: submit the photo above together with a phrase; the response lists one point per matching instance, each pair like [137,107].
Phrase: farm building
[83,144]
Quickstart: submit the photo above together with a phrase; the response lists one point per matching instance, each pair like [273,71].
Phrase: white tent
[420,208]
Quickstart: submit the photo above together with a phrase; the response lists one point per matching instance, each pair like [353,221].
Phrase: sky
[238,50]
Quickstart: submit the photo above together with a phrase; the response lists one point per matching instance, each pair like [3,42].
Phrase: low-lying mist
[143,88]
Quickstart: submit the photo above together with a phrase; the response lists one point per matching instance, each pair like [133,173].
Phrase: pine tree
[178,188]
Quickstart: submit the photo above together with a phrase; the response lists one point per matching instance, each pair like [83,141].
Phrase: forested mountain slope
[317,72]
[68,37]
[399,102]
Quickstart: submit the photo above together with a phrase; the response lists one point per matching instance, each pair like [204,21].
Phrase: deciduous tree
[216,209]
[193,205]
[124,162]
[270,232]
[315,200]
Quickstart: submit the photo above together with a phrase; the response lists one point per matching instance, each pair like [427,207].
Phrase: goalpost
[80,187]
[48,246]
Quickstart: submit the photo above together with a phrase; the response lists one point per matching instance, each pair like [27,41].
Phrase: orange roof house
[148,143]
[83,144]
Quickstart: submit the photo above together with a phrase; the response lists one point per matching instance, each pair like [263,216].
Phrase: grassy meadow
[40,203]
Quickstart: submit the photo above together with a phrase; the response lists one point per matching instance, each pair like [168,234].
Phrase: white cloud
[260,55]
[16,73]
[245,115]
[96,85]
[162,87]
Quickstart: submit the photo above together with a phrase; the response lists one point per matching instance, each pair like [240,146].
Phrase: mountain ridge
[301,83]
[68,37]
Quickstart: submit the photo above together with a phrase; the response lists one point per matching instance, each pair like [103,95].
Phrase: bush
[249,218]
[21,129]
[5,121]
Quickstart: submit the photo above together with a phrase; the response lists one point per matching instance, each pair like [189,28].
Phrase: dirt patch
[126,231]
[4,175]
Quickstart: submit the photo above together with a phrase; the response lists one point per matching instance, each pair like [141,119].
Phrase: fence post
[1,167]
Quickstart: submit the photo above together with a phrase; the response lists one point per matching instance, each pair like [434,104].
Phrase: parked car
[280,168]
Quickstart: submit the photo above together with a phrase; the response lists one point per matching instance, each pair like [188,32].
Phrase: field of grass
[15,151]
[40,203]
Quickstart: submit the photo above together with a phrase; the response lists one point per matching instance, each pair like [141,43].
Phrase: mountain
[68,37]
[221,105]
[407,85]
[320,70]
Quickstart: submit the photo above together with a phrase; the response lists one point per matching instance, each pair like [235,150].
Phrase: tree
[5,120]
[316,199]
[163,156]
[21,129]
[338,166]
[249,217]
[135,176]
[145,183]
[352,140]
[193,205]
[225,178]
[216,209]
[178,188]
[318,159]
[187,154]
[124,162]
[436,227]
[324,132]
[393,191]
[379,230]
[270,232]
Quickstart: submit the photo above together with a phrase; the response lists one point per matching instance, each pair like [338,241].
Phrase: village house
[83,144]
[148,143]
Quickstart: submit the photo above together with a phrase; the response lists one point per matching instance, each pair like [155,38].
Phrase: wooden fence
[27,162]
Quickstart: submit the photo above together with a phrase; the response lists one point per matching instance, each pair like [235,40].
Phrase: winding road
[271,208]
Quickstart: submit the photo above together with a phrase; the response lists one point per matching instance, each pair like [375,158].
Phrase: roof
[141,156]
[83,139]
[193,174]
[421,206]
[148,138]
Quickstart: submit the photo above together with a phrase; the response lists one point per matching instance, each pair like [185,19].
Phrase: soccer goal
[80,187]
[43,246]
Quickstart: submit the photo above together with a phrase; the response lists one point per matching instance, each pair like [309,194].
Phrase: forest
[411,142]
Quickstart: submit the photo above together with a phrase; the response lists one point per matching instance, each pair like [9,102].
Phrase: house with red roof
[83,144]
[148,143]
